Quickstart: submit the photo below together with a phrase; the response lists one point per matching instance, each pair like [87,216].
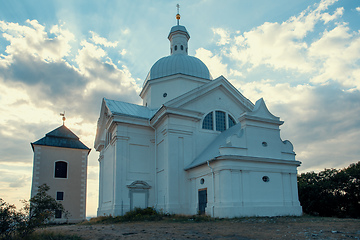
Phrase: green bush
[139,214]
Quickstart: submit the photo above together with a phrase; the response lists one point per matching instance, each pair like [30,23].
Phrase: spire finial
[63,117]
[178,14]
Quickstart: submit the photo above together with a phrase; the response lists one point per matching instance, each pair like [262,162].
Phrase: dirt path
[247,228]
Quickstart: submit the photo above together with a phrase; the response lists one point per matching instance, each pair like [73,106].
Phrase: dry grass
[186,227]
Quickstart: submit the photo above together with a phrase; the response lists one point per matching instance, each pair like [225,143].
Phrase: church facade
[195,145]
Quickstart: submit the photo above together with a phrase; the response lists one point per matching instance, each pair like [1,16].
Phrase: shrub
[139,214]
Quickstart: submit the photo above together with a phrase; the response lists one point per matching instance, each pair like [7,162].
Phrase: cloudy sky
[301,56]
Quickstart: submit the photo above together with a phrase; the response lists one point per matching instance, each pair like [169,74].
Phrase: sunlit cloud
[102,41]
[333,56]
[34,40]
[213,62]
[326,17]
[223,34]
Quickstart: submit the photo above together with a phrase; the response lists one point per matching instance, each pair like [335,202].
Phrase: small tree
[36,212]
[8,219]
[40,210]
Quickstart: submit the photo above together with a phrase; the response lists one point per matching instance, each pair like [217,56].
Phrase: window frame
[58,214]
[212,121]
[227,119]
[67,169]
[57,195]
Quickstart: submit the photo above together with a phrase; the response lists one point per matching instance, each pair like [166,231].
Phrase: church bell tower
[60,161]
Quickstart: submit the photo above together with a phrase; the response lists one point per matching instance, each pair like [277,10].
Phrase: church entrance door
[202,194]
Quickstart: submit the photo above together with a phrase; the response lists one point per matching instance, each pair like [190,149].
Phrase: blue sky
[302,57]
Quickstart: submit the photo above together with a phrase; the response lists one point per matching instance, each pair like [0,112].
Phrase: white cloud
[338,52]
[102,41]
[33,39]
[358,9]
[326,17]
[213,62]
[223,34]
[126,31]
[123,52]
[35,89]
[332,56]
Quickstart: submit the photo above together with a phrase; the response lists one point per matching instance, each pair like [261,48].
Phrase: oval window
[265,178]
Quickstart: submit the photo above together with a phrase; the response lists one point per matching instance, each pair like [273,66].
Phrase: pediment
[200,93]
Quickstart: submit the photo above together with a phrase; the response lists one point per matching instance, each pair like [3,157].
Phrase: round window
[265,178]
[202,181]
[264,144]
[165,95]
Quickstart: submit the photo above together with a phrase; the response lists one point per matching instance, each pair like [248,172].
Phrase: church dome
[178,64]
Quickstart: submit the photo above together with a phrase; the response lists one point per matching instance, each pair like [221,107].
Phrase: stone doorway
[139,194]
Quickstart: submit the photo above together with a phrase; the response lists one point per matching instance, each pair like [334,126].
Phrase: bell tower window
[60,169]
[182,47]
[175,48]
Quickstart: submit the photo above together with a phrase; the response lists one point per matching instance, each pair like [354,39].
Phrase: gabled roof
[61,137]
[129,109]
[206,88]
[118,109]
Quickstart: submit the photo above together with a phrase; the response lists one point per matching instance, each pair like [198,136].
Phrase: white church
[195,145]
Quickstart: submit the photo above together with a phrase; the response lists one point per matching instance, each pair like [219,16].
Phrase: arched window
[231,121]
[60,169]
[219,119]
[208,122]
[182,47]
[175,47]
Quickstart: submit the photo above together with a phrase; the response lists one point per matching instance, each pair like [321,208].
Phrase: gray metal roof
[178,63]
[212,150]
[179,28]
[129,109]
[61,137]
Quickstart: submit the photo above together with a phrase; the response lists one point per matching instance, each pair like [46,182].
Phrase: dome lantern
[178,37]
